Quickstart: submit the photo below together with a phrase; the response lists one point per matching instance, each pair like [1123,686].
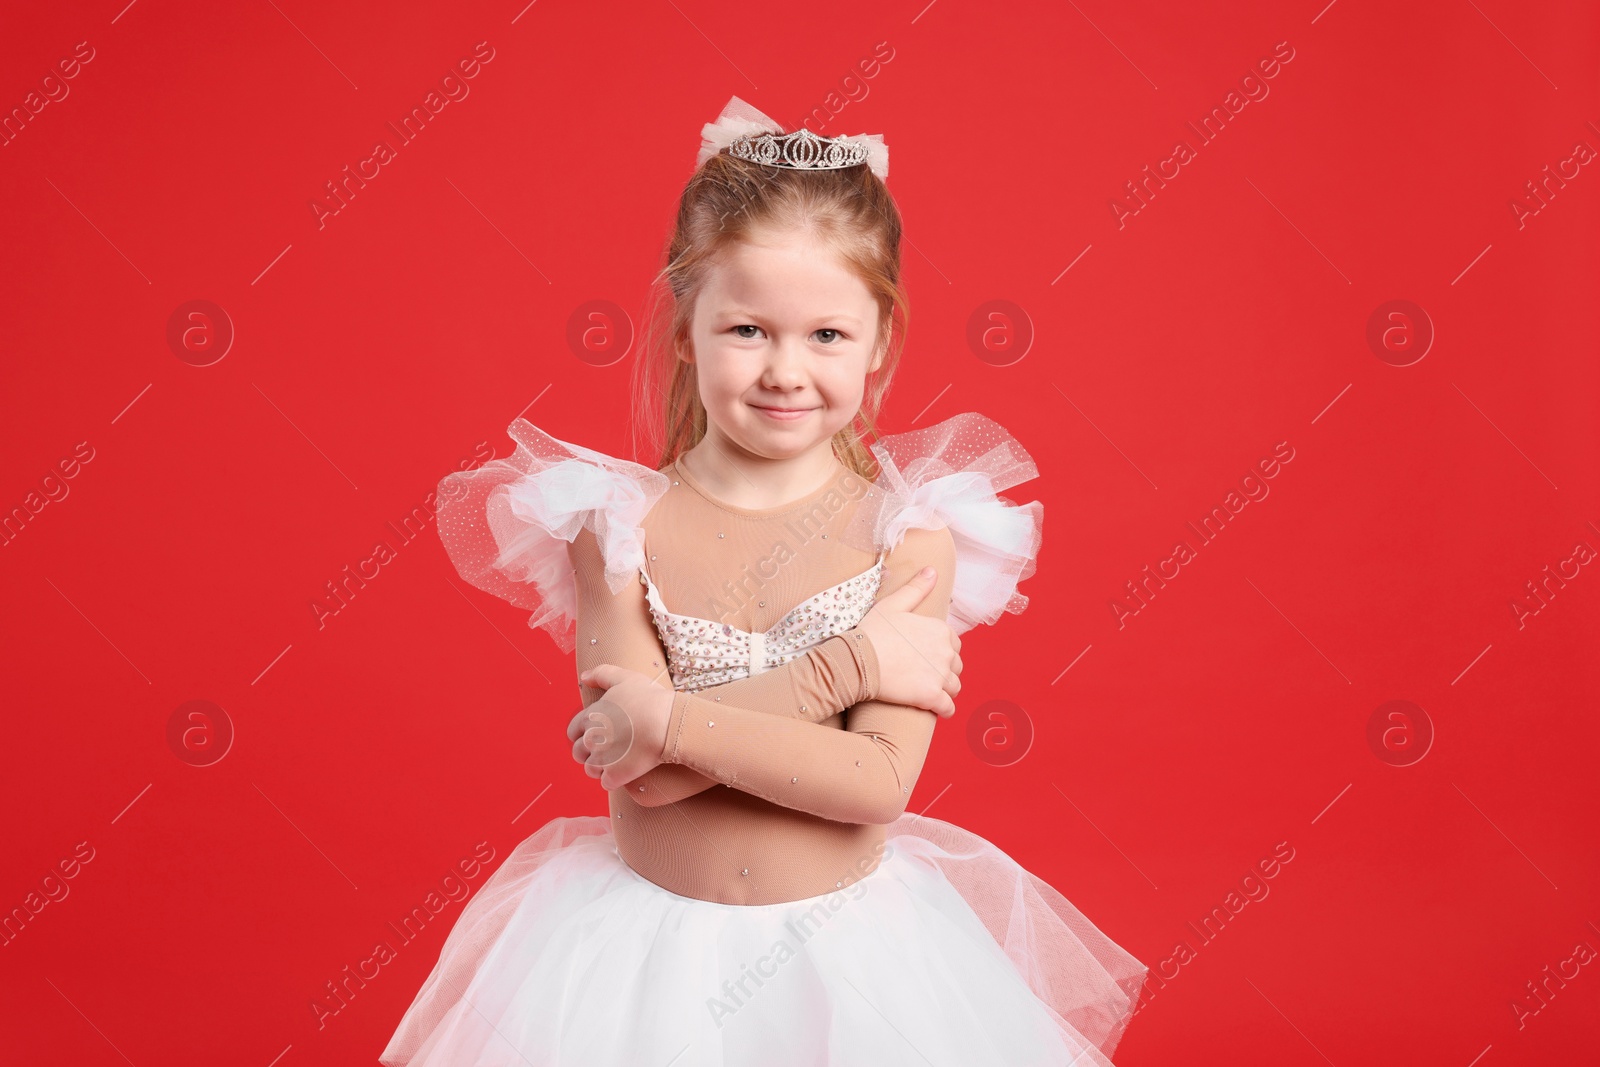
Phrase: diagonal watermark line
[1069,666]
[713,44]
[1301,632]
[302,833]
[1469,666]
[131,803]
[1102,433]
[499,231]
[1286,1019]
[531,803]
[132,402]
[313,44]
[1301,232]
[1502,433]
[532,402]
[99,631]
[868,1002]
[88,1020]
[930,403]
[1332,402]
[302,433]
[924,812]
[102,234]
[1513,44]
[1113,44]
[1069,266]
[1502,833]
[496,629]
[1110,842]
[1331,803]
[1469,266]
[274,663]
[274,263]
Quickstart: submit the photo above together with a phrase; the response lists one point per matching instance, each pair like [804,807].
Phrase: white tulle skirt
[949,952]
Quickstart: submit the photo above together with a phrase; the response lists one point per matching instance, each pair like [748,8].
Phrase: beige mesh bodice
[771,789]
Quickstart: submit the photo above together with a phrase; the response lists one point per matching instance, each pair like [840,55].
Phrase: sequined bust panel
[703,652]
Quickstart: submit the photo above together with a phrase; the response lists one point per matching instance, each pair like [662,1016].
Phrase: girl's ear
[877,355]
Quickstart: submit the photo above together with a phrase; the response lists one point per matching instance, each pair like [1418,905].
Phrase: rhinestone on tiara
[801,150]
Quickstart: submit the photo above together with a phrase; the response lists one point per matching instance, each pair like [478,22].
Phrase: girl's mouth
[783,414]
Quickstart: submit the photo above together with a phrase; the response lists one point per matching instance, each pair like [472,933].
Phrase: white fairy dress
[949,952]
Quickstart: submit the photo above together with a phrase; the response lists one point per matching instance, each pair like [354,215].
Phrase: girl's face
[783,338]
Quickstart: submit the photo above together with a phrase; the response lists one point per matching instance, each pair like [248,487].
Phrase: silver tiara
[749,134]
[801,150]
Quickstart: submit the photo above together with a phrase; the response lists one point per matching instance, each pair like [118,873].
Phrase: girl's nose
[785,364]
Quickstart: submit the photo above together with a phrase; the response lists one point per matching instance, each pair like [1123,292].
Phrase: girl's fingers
[578,724]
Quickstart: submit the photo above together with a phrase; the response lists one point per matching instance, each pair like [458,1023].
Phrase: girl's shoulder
[506,525]
[949,475]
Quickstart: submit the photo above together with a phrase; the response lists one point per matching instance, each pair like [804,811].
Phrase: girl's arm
[862,774]
[617,629]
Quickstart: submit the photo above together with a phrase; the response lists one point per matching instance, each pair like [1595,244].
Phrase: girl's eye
[829,341]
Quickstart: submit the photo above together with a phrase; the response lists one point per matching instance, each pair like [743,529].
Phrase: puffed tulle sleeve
[949,475]
[506,525]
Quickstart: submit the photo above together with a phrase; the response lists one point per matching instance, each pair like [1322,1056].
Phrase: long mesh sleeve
[861,774]
[617,629]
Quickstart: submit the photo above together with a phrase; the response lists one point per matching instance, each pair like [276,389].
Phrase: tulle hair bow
[741,119]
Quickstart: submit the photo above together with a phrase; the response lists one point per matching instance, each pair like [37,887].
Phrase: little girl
[765,655]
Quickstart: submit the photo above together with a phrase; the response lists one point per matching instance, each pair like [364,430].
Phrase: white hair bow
[740,119]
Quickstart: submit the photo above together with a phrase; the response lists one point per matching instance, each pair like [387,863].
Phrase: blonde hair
[727,199]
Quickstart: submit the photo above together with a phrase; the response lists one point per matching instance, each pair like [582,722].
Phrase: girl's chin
[777,439]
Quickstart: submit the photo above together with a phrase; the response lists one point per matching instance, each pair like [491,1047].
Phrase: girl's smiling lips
[785,414]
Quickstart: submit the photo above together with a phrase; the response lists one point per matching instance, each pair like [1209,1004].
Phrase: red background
[373,750]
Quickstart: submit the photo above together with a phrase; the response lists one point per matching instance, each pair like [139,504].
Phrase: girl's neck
[756,482]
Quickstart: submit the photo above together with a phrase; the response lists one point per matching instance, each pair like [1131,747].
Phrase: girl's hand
[620,736]
[919,659]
